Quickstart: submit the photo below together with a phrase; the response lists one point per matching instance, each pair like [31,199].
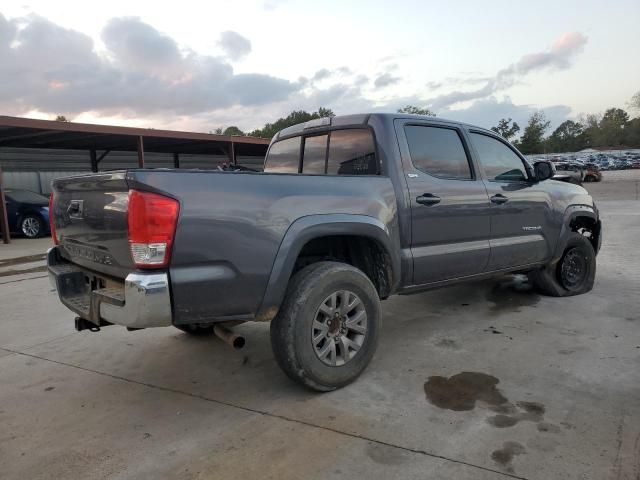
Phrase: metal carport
[100,140]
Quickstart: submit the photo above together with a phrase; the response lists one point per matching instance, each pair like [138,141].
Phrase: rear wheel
[32,226]
[573,274]
[326,331]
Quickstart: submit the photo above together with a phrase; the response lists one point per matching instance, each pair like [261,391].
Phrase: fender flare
[572,212]
[310,227]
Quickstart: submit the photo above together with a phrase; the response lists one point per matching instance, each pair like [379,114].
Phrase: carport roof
[31,133]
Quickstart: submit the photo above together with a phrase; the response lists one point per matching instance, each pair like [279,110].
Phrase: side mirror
[544,170]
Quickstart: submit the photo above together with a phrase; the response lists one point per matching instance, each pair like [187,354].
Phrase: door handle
[428,199]
[499,199]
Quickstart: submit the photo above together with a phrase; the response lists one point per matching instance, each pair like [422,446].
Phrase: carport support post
[4,221]
[233,153]
[94,160]
[140,152]
[176,160]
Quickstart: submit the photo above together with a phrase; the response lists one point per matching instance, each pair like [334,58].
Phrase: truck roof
[359,119]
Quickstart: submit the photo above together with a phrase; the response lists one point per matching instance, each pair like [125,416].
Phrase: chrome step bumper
[141,301]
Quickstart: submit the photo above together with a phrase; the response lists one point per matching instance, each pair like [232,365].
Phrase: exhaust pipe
[227,336]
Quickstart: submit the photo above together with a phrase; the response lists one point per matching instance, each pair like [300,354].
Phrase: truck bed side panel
[231,226]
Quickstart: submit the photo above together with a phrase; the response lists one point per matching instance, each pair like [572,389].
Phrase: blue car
[28,213]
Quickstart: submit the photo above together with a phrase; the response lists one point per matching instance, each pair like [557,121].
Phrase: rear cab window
[352,152]
[284,156]
[338,152]
[314,156]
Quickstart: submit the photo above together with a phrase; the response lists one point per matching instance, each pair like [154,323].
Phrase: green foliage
[568,137]
[62,118]
[295,117]
[632,133]
[507,128]
[635,102]
[532,140]
[612,126]
[413,110]
[233,130]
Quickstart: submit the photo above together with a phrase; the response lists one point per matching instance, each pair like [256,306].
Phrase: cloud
[322,74]
[557,57]
[134,44]
[234,45]
[488,111]
[325,73]
[143,72]
[385,80]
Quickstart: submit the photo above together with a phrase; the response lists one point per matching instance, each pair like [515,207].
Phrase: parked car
[570,172]
[349,211]
[592,173]
[27,212]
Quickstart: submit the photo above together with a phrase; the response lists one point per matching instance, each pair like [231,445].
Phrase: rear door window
[284,156]
[352,152]
[438,151]
[315,154]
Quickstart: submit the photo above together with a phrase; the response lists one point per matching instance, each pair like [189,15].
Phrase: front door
[521,216]
[450,210]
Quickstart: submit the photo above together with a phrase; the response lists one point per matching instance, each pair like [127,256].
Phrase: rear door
[520,208]
[450,211]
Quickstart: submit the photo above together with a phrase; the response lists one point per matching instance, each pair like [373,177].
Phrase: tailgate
[90,216]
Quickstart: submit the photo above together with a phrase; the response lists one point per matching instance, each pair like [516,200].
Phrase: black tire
[556,280]
[589,179]
[294,325]
[32,226]
[196,330]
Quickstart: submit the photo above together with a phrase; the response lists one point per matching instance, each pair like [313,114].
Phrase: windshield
[25,196]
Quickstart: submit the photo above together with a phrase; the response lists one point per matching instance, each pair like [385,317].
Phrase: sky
[202,65]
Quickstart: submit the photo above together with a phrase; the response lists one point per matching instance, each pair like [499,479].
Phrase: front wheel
[573,274]
[326,331]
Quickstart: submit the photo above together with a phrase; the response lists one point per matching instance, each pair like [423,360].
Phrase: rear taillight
[152,222]
[52,223]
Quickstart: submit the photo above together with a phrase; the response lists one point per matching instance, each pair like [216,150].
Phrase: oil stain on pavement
[461,392]
[504,456]
[510,416]
[511,295]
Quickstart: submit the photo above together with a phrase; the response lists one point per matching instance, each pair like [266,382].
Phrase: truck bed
[230,228]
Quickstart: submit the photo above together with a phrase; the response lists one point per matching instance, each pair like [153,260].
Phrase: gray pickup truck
[347,212]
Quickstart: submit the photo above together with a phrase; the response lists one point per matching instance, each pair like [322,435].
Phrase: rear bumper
[141,301]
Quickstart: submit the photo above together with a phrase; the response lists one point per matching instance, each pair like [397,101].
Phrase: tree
[532,140]
[635,102]
[507,131]
[632,133]
[233,130]
[590,124]
[61,118]
[295,117]
[413,110]
[568,137]
[612,127]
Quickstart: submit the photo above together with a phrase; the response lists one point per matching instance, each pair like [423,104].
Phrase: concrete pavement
[553,389]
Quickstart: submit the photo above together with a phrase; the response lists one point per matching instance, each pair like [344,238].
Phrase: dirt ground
[482,381]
